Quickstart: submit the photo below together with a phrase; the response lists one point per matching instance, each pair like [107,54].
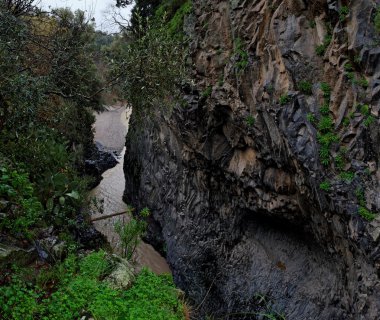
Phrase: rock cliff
[266,182]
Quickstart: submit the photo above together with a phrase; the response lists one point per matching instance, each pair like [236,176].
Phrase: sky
[101,10]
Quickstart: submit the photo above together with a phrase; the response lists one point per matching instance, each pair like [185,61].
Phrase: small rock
[123,274]
[12,254]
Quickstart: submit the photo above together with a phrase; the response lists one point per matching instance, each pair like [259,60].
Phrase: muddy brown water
[111,127]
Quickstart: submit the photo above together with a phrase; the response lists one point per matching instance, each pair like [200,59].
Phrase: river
[111,128]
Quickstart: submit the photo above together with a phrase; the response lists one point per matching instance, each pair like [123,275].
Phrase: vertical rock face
[233,178]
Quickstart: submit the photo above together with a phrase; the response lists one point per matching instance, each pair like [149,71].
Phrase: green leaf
[73,194]
[49,204]
[61,201]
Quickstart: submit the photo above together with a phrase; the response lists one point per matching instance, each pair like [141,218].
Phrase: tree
[150,67]
[18,7]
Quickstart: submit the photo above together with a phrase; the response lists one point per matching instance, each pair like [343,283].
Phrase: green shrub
[325,186]
[321,49]
[343,12]
[95,265]
[17,199]
[351,76]
[17,301]
[241,55]
[347,176]
[325,109]
[325,87]
[348,67]
[369,120]
[346,121]
[175,24]
[160,300]
[250,120]
[366,214]
[364,110]
[284,99]
[206,93]
[339,162]
[327,139]
[311,117]
[359,193]
[83,293]
[131,232]
[305,87]
[324,154]
[377,20]
[326,124]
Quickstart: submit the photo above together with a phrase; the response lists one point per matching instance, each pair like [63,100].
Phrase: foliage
[339,162]
[346,121]
[366,214]
[362,210]
[348,67]
[206,92]
[364,109]
[305,87]
[343,12]
[369,120]
[47,76]
[311,117]
[363,82]
[377,20]
[325,124]
[151,68]
[325,109]
[80,291]
[18,200]
[326,89]
[176,22]
[325,186]
[95,265]
[325,140]
[250,120]
[284,99]
[18,301]
[154,296]
[321,49]
[131,232]
[240,55]
[347,176]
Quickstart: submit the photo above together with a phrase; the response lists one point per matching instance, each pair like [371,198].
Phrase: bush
[81,292]
[326,90]
[377,20]
[325,186]
[343,12]
[366,214]
[250,120]
[325,109]
[17,199]
[284,99]
[305,87]
[240,55]
[311,117]
[347,176]
[321,49]
[131,232]
[326,124]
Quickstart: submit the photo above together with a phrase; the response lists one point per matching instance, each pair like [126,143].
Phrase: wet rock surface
[237,204]
[99,161]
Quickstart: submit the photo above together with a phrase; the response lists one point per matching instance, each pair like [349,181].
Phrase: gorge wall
[245,198]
